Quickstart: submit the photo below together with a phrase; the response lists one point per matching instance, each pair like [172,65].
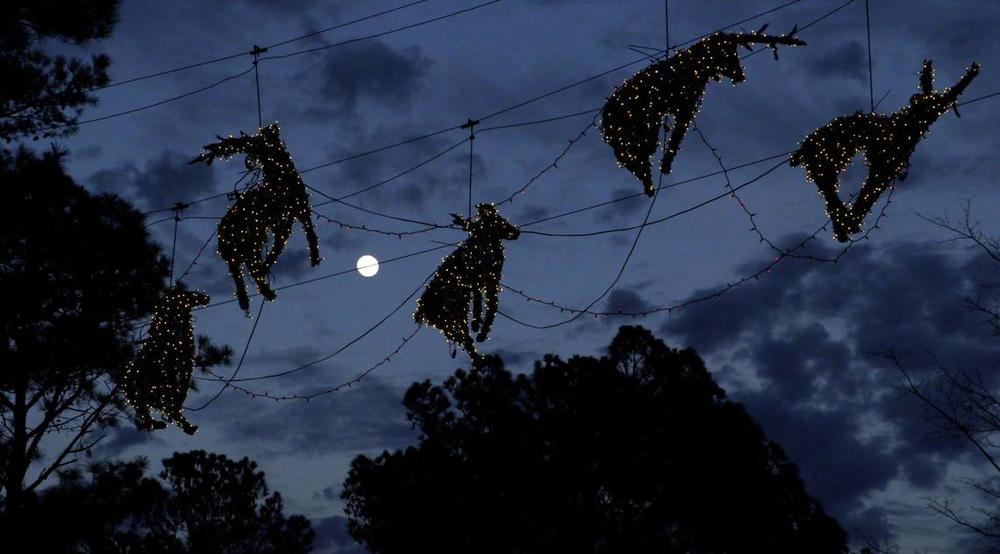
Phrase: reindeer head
[263,145]
[491,224]
[722,54]
[929,104]
[186,299]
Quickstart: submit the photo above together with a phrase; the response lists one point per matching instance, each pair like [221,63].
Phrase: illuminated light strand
[373,212]
[469,275]
[364,227]
[336,352]
[265,211]
[352,270]
[228,382]
[663,219]
[788,253]
[159,377]
[553,165]
[624,264]
[887,142]
[330,390]
[397,175]
[673,88]
[752,216]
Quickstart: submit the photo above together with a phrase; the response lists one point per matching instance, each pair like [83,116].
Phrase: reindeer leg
[682,120]
[236,271]
[470,348]
[477,309]
[259,274]
[307,225]
[282,232]
[184,424]
[492,303]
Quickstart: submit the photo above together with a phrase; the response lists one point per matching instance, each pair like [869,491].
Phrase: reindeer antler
[927,77]
[954,92]
[771,41]
[460,221]
[227,146]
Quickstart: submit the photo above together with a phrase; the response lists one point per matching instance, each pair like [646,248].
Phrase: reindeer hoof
[481,337]
[474,325]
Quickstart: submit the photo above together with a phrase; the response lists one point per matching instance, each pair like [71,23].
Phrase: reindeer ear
[927,77]
[762,29]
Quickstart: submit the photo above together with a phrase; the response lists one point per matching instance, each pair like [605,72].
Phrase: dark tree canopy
[638,451]
[80,271]
[42,95]
[210,504]
[224,506]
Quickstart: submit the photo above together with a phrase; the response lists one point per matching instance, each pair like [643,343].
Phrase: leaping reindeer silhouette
[267,210]
[887,141]
[675,86]
[160,376]
[470,273]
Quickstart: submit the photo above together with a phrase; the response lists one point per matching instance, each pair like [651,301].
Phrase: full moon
[367,265]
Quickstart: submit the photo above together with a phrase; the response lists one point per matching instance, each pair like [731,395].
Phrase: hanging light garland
[160,376]
[888,142]
[675,86]
[471,273]
[265,211]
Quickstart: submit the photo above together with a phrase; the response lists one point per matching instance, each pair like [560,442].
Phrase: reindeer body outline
[673,88]
[470,274]
[886,141]
[160,375]
[263,214]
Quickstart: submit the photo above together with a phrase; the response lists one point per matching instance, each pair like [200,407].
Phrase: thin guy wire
[173,248]
[353,381]
[381,33]
[871,79]
[216,60]
[239,366]
[347,345]
[787,253]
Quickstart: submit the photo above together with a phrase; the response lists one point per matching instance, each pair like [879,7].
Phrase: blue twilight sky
[792,345]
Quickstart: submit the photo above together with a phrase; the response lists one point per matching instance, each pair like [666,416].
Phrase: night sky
[793,345]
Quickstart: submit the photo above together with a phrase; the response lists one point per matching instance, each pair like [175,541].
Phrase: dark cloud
[121,439]
[160,183]
[332,536]
[849,61]
[624,300]
[330,494]
[515,359]
[367,416]
[805,332]
[372,71]
[625,208]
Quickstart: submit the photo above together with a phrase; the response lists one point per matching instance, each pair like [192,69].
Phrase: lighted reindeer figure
[265,212]
[675,86]
[887,141]
[469,274]
[160,376]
